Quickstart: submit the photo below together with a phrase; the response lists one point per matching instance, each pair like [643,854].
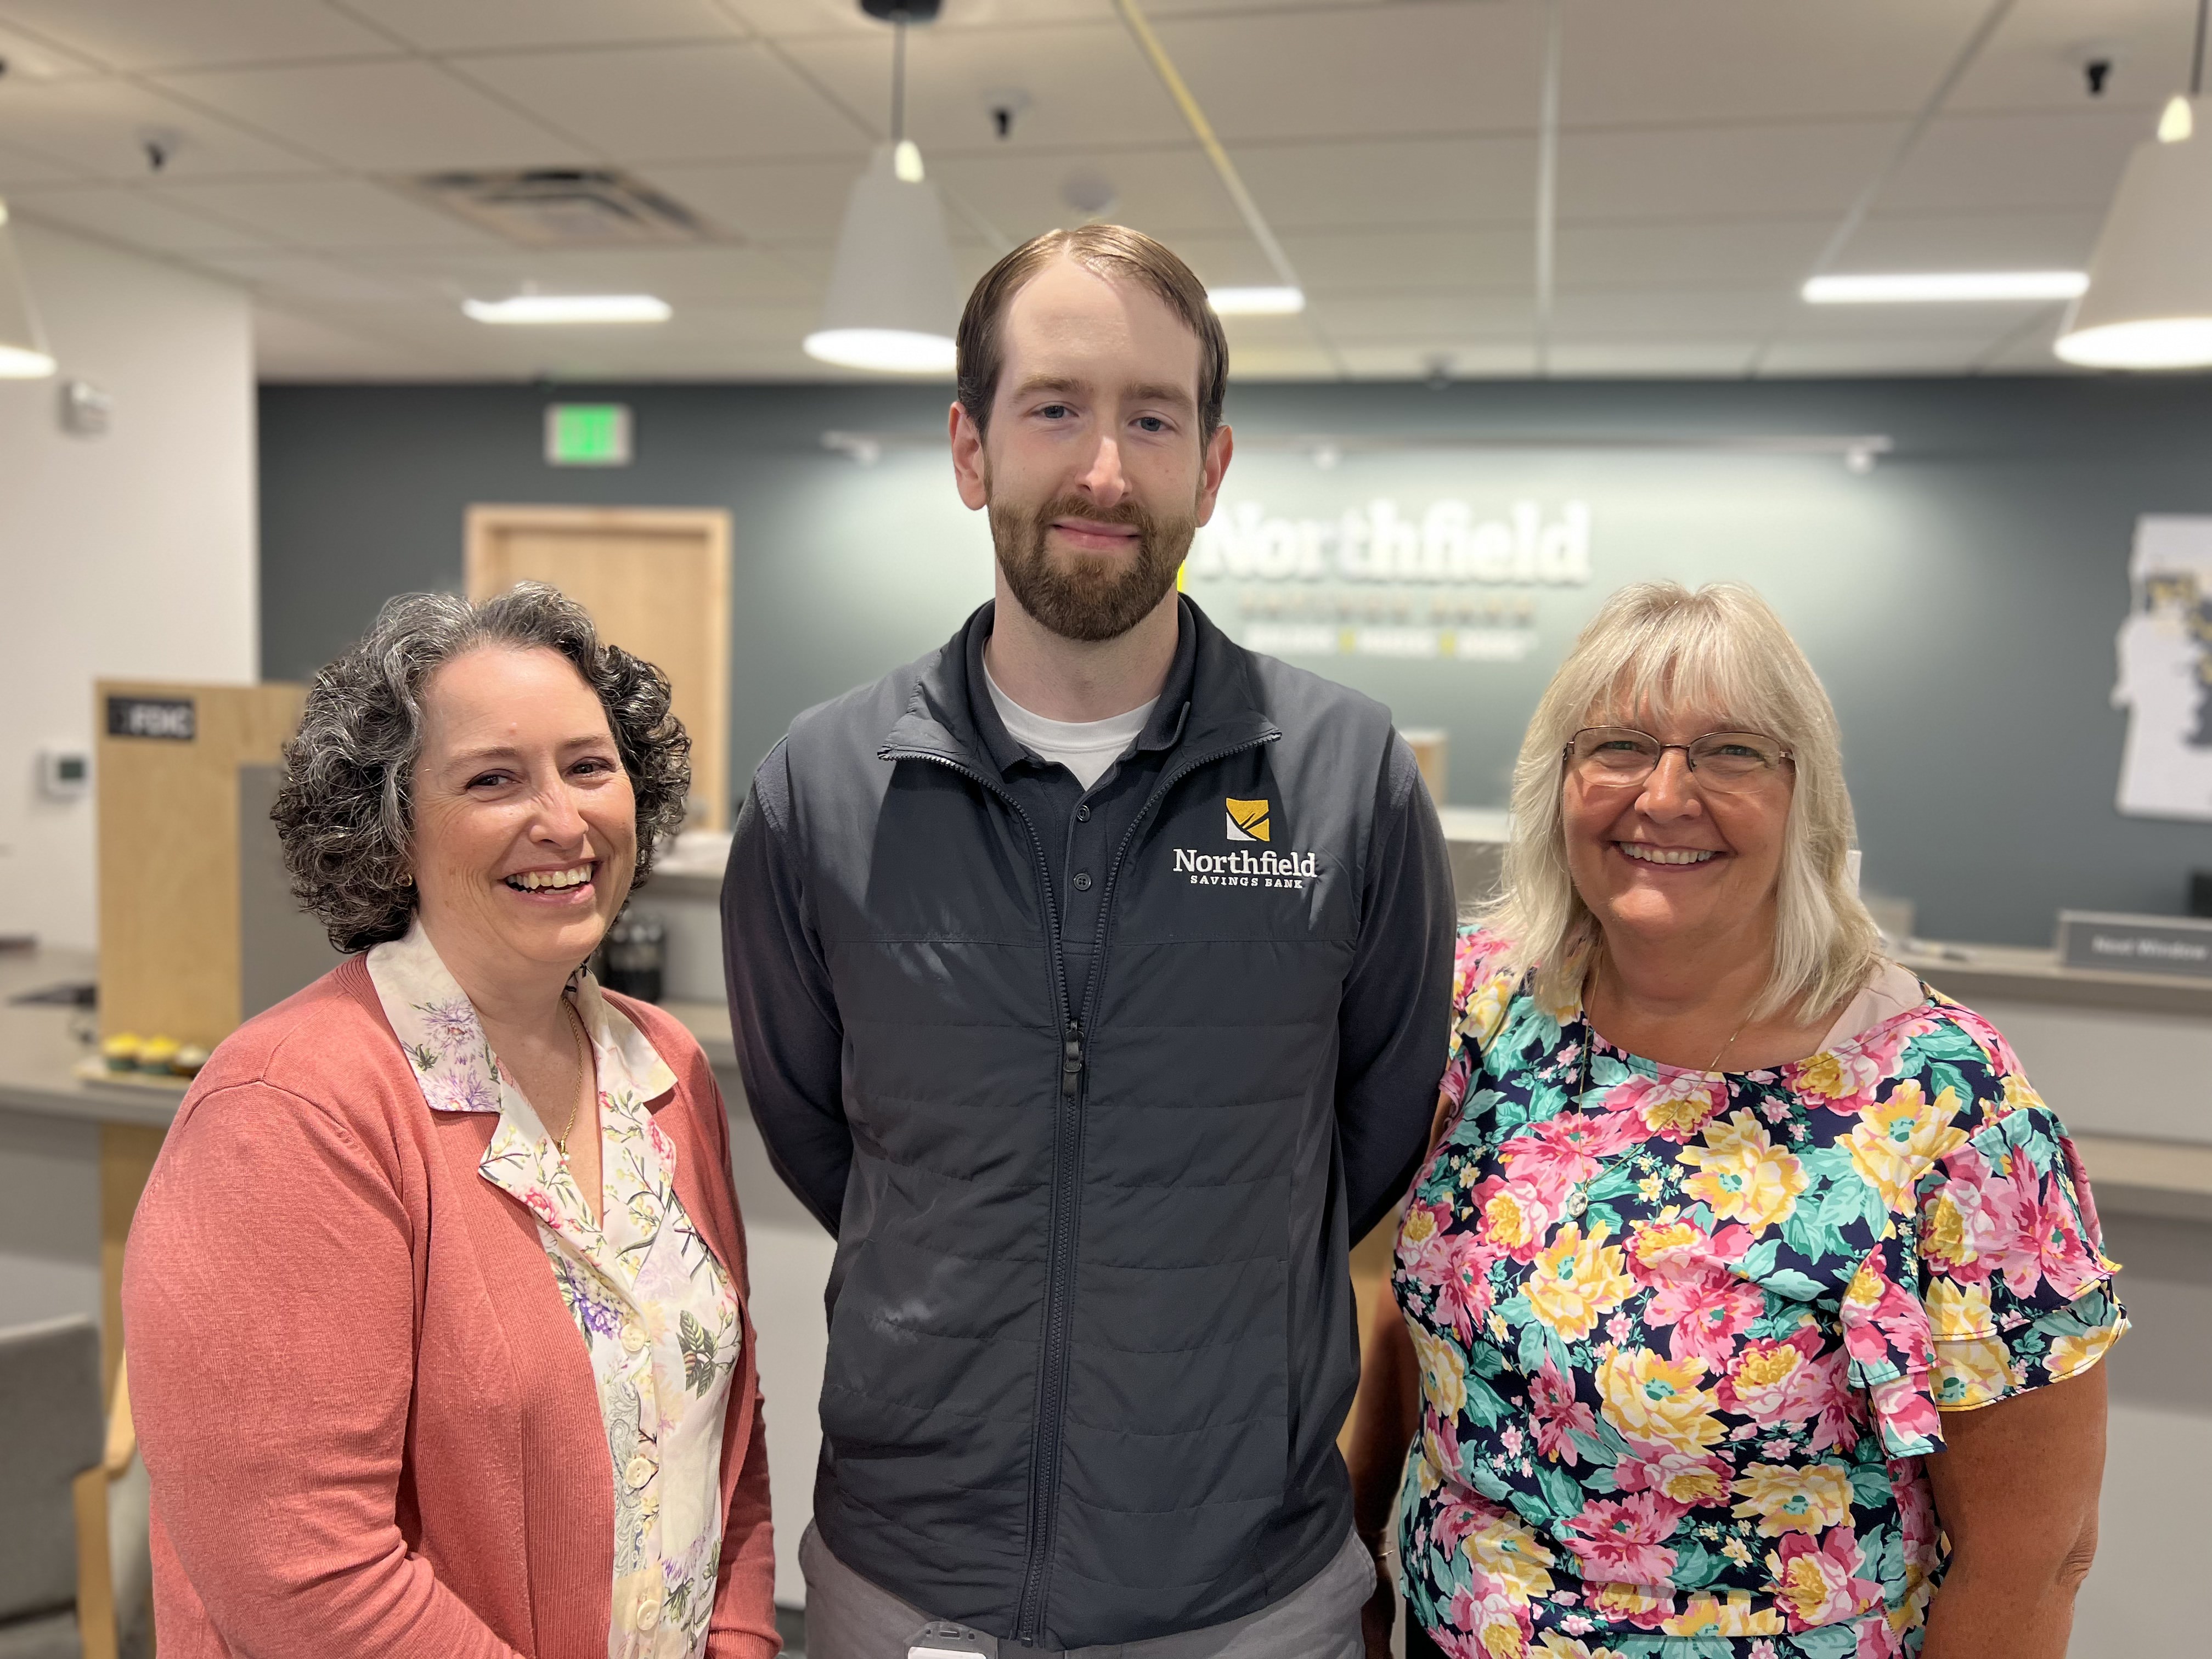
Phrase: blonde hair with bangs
[1658,646]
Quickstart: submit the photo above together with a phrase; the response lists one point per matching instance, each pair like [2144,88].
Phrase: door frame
[487,521]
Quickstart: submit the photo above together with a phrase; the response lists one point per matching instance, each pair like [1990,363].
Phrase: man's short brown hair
[1115,251]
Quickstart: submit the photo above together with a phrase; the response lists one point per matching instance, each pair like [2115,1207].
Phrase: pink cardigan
[372,1428]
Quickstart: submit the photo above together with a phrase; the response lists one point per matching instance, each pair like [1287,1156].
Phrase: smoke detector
[562,207]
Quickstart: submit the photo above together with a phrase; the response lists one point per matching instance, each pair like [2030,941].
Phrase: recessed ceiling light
[551,308]
[1257,302]
[1940,286]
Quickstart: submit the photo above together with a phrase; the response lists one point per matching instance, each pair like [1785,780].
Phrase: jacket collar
[1217,707]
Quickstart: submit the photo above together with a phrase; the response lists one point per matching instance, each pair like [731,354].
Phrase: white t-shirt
[1086,748]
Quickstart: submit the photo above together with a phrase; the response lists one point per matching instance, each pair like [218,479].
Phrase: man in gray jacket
[1090,978]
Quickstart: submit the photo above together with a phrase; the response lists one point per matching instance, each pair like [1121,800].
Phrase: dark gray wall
[1960,601]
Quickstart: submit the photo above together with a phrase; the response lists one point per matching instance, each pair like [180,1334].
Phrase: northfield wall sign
[1443,583]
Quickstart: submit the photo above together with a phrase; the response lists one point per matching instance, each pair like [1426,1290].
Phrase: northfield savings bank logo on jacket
[1247,821]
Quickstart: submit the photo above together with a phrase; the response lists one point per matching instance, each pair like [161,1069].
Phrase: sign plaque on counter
[2180,946]
[171,719]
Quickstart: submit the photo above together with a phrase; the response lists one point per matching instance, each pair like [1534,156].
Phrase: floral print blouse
[1684,1337]
[655,1310]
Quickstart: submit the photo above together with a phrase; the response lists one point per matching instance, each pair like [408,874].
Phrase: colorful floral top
[1684,1337]
[656,1310]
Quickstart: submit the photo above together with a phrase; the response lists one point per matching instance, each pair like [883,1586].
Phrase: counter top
[39,1050]
[1970,973]
[39,1047]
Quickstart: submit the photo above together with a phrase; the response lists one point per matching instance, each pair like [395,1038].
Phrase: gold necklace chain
[583,1072]
[1589,1032]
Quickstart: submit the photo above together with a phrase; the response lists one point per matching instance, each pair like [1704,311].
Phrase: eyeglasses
[1616,756]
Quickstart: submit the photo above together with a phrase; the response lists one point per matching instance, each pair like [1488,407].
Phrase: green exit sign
[587,434]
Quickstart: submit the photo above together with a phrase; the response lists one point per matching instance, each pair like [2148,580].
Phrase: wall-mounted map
[2165,670]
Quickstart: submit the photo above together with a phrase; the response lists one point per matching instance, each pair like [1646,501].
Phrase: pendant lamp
[894,293]
[2148,304]
[23,354]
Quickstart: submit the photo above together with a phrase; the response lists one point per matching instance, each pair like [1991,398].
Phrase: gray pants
[849,1617]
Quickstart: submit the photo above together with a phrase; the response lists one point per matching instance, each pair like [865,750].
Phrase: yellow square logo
[1247,819]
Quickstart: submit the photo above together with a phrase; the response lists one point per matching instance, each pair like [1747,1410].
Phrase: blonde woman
[1751,1294]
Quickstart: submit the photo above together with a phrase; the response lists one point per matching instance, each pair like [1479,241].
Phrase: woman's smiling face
[525,824]
[1669,859]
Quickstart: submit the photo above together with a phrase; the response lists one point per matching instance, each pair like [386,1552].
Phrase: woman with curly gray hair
[436,1299]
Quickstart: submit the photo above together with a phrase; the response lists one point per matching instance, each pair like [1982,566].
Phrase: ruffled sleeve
[1992,1279]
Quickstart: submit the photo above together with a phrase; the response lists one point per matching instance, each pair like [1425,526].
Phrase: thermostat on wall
[64,773]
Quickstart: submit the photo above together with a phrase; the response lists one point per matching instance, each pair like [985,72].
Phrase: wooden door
[657,582]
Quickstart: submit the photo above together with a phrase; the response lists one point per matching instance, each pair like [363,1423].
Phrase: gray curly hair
[344,809]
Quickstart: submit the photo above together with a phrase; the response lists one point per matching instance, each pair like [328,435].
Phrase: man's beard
[1089,596]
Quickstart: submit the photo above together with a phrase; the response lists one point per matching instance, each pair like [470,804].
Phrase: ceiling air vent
[562,207]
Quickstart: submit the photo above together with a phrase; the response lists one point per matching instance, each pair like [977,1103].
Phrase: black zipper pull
[1071,1063]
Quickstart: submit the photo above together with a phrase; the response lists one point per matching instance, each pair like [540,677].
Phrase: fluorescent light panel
[556,308]
[1942,287]
[1257,302]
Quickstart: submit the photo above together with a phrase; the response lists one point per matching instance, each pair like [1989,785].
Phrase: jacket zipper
[1044,1459]
[1029,1624]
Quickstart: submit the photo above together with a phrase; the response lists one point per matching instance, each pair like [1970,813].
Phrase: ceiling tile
[1466,360]
[1875,354]
[1726,252]
[791,20]
[1989,319]
[1720,172]
[2059,240]
[30,60]
[290,347]
[765,200]
[1163,191]
[1368,262]
[303,277]
[719,276]
[1426,318]
[2029,352]
[21,168]
[1600,358]
[101,127]
[1654,313]
[141,34]
[2036,60]
[1700,61]
[1287,361]
[334,214]
[1984,163]
[1086,85]
[133,216]
[706,102]
[379,118]
[1363,71]
[478,24]
[1417,183]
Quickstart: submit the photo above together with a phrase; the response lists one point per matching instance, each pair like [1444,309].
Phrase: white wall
[128,554]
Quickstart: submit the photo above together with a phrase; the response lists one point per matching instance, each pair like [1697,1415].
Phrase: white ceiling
[1708,151]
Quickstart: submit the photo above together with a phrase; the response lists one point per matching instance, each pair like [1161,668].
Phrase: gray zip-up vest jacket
[1091,1334]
